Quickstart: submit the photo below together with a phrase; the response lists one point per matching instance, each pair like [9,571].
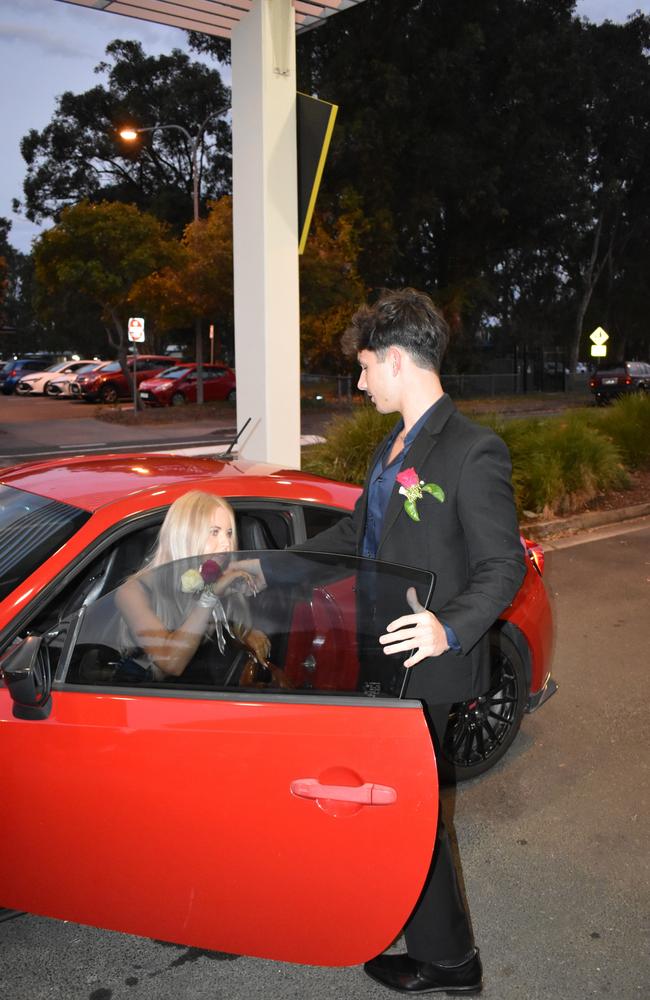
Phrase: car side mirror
[26,672]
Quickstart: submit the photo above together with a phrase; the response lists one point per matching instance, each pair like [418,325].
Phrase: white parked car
[37,383]
[61,385]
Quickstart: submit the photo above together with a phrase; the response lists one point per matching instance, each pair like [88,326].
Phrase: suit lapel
[416,457]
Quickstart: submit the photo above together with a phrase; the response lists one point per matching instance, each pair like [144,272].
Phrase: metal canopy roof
[213,17]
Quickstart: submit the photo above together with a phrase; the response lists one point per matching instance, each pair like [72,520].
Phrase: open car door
[284,810]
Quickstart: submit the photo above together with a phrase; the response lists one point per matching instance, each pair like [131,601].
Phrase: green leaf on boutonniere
[435,491]
[411,510]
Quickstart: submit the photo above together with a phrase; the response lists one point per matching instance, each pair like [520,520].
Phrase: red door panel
[209,821]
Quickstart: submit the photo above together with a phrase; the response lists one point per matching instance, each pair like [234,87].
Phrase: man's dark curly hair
[405,318]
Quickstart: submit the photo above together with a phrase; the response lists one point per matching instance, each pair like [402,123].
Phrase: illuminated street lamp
[130,135]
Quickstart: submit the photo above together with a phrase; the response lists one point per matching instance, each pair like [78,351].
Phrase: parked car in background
[36,384]
[60,386]
[107,383]
[614,379]
[16,368]
[176,386]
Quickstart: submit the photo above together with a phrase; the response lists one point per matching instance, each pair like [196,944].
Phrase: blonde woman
[166,619]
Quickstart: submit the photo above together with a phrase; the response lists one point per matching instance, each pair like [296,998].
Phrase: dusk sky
[48,47]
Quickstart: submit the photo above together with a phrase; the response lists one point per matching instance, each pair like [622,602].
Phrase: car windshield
[31,529]
[310,625]
[112,366]
[7,366]
[87,368]
[174,372]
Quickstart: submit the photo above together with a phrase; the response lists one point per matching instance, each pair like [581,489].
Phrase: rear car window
[32,528]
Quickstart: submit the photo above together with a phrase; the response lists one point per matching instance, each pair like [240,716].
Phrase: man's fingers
[403,622]
[412,598]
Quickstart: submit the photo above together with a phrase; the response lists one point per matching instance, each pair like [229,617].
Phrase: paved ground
[553,841]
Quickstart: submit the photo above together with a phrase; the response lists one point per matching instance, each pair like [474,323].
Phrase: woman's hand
[259,643]
[235,579]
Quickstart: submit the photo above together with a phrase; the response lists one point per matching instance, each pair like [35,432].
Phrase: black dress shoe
[405,975]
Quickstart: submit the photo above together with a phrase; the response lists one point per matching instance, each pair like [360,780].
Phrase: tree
[485,140]
[92,258]
[200,282]
[330,286]
[80,156]
[615,220]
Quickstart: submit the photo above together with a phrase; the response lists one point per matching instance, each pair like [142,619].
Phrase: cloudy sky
[47,47]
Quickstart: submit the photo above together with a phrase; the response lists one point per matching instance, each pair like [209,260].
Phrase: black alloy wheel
[481,730]
[232,396]
[109,394]
[178,399]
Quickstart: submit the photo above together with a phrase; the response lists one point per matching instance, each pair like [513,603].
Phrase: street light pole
[129,134]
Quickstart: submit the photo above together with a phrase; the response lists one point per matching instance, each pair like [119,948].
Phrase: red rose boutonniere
[414,488]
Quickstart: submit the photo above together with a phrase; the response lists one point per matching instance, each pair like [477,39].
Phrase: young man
[438,496]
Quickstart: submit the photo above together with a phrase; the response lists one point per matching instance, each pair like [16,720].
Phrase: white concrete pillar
[265,236]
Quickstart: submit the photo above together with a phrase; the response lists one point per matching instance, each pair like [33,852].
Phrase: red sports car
[177,385]
[262,798]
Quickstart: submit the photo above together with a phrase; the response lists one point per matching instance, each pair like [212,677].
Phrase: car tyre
[481,730]
[109,394]
[232,396]
[178,399]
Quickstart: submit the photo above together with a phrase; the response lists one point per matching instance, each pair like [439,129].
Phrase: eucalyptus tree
[79,154]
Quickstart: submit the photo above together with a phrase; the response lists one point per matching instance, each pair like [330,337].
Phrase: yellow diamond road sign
[599,336]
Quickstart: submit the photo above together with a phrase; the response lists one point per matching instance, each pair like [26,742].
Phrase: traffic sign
[598,337]
[136,329]
[599,350]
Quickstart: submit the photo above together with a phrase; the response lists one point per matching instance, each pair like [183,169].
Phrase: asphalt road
[42,428]
[553,841]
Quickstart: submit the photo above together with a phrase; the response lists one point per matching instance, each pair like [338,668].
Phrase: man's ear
[395,360]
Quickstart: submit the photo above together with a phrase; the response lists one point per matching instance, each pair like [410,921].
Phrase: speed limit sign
[136,329]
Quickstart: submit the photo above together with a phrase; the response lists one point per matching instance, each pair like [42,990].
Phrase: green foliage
[627,423]
[79,153]
[559,463]
[349,446]
[92,259]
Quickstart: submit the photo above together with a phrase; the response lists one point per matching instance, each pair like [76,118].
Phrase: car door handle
[368,794]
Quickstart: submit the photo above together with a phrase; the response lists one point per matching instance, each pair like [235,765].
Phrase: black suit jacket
[470,541]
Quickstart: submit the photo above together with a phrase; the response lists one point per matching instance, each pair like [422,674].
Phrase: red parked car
[176,386]
[107,383]
[262,798]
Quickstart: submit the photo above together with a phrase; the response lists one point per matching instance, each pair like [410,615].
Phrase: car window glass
[317,519]
[174,373]
[320,617]
[31,529]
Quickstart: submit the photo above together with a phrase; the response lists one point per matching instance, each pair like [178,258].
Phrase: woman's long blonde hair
[186,526]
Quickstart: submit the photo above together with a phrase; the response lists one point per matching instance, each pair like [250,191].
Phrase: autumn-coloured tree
[93,257]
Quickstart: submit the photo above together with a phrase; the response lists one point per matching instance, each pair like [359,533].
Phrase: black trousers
[439,928]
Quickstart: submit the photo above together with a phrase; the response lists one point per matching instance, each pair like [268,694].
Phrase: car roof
[146,481]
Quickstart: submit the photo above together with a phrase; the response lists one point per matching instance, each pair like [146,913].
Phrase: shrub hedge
[558,462]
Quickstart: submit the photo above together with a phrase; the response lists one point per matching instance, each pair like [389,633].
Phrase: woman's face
[220,533]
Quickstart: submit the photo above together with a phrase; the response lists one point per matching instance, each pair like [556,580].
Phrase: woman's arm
[170,650]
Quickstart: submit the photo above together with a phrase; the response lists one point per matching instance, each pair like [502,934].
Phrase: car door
[294,823]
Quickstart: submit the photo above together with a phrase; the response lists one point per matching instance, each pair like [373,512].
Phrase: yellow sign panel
[599,351]
[599,336]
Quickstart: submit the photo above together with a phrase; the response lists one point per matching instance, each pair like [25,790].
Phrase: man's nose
[361,384]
